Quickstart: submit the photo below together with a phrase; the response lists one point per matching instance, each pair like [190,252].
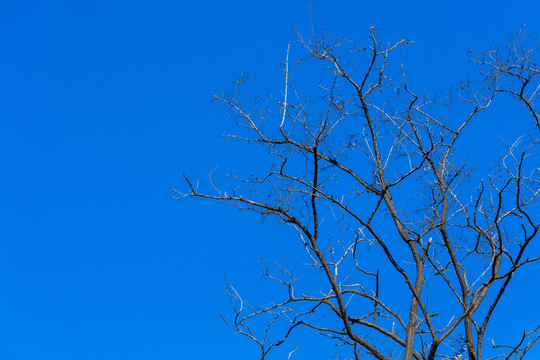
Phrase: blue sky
[103,105]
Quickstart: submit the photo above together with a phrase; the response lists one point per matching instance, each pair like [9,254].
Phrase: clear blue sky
[103,105]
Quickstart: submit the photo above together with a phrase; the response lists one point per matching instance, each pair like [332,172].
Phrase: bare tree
[376,181]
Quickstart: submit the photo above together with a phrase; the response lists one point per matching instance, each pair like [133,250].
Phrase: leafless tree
[417,248]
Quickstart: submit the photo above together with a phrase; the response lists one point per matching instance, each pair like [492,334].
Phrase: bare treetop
[371,175]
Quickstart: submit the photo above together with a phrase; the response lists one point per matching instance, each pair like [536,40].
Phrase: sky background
[104,104]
